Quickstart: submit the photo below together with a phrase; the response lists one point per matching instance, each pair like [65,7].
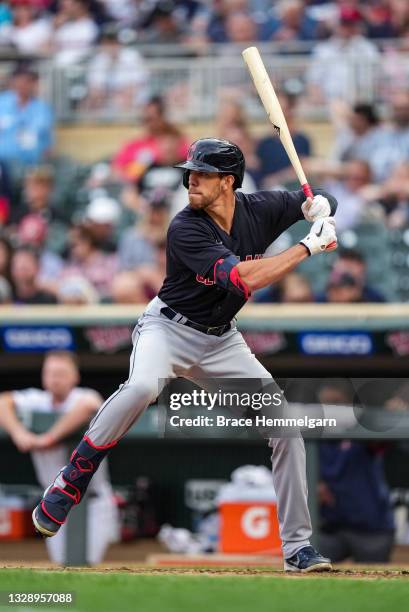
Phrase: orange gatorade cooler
[248,515]
[15,518]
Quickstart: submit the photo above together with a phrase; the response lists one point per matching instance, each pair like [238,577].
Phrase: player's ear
[228,180]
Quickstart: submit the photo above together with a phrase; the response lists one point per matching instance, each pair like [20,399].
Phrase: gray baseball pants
[164,349]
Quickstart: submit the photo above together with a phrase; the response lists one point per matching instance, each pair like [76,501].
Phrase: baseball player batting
[213,265]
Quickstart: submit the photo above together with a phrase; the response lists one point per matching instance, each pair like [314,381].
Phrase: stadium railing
[192,82]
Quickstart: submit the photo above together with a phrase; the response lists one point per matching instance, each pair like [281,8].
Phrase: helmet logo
[191,151]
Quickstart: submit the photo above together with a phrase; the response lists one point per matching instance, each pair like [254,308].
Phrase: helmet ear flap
[186,178]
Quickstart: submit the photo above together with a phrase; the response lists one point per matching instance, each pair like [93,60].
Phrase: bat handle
[307,191]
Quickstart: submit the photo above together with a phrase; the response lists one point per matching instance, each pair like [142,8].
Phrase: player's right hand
[322,236]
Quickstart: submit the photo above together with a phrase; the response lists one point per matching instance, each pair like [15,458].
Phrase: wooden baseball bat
[273,109]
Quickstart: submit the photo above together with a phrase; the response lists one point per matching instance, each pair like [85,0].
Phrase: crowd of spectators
[70,28]
[108,43]
[111,39]
[105,241]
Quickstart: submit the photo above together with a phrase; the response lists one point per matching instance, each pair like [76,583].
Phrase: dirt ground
[347,572]
[148,557]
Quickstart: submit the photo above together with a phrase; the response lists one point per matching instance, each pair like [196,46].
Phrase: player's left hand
[316,208]
[43,441]
[24,440]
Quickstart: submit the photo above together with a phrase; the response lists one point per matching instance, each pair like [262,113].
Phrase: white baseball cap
[103,209]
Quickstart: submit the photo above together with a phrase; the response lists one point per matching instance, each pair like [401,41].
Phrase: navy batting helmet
[214,155]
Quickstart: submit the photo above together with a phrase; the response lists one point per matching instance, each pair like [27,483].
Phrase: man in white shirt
[75,34]
[117,76]
[342,62]
[75,406]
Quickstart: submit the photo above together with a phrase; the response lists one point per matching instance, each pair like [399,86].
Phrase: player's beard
[201,201]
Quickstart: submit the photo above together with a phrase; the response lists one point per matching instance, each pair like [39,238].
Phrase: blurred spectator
[101,218]
[393,196]
[5,270]
[347,281]
[25,270]
[6,251]
[349,189]
[399,10]
[38,202]
[6,19]
[26,122]
[75,32]
[6,16]
[161,174]
[37,194]
[138,245]
[345,48]
[141,284]
[135,156]
[293,289]
[128,288]
[38,187]
[162,25]
[124,12]
[394,66]
[5,195]
[399,401]
[290,21]
[117,76]
[6,294]
[240,28]
[378,19]
[152,277]
[356,512]
[357,132]
[87,260]
[31,33]
[230,114]
[213,25]
[73,406]
[77,291]
[32,231]
[275,165]
[392,143]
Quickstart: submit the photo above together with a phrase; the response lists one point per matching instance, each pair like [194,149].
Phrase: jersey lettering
[203,280]
[208,282]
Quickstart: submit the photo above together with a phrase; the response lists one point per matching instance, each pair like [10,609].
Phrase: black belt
[178,318]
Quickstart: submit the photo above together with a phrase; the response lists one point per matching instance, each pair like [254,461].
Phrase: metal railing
[193,86]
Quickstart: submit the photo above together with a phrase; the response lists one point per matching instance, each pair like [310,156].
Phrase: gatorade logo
[255,522]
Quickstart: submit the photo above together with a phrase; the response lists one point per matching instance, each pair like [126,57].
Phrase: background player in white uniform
[76,406]
[214,249]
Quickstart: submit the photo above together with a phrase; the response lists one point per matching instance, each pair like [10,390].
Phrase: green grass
[120,592]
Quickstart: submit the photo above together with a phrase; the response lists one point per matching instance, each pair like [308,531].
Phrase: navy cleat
[68,488]
[53,509]
[307,559]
